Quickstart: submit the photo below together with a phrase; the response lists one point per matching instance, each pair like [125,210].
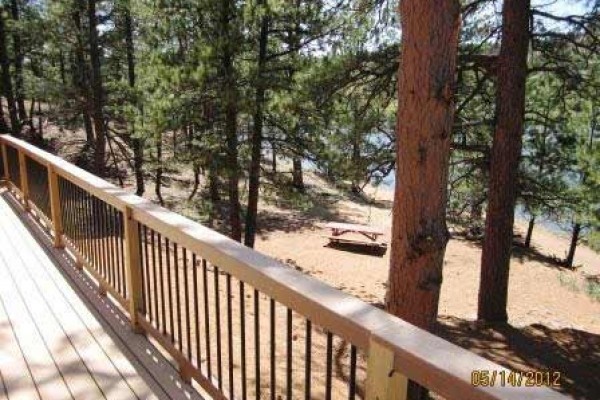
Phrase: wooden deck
[59,339]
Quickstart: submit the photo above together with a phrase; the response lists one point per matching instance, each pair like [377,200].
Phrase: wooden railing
[241,324]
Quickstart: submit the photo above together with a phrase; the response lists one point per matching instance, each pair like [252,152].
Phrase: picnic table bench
[338,229]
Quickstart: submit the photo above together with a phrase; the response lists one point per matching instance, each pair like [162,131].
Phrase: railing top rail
[423,357]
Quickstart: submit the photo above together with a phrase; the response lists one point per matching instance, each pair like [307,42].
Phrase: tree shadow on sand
[520,252]
[572,352]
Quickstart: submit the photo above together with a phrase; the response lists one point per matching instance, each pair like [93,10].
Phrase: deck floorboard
[56,342]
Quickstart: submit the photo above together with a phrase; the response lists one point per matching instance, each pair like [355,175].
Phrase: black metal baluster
[95,234]
[243,338]
[289,350]
[101,241]
[108,247]
[272,344]
[154,278]
[78,208]
[158,281]
[66,214]
[163,299]
[206,316]
[328,366]
[81,213]
[307,360]
[218,325]
[163,307]
[352,380]
[229,336]
[111,223]
[76,230]
[89,225]
[144,270]
[196,296]
[177,297]
[121,246]
[149,273]
[257,343]
[170,290]
[187,305]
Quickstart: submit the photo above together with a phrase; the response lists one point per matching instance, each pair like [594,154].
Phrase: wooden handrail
[412,352]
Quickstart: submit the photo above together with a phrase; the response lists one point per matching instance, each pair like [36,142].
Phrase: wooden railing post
[383,383]
[24,179]
[55,207]
[5,162]
[133,267]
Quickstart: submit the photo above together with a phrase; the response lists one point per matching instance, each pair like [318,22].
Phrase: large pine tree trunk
[19,57]
[7,88]
[425,116]
[97,91]
[424,128]
[573,246]
[231,113]
[504,161]
[257,137]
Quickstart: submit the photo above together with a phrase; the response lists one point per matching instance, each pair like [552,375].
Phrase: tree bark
[3,125]
[257,135]
[529,231]
[229,91]
[7,88]
[297,175]
[136,143]
[573,246]
[40,120]
[504,161]
[425,115]
[159,171]
[273,157]
[355,167]
[19,57]
[97,91]
[213,183]
[81,77]
[196,169]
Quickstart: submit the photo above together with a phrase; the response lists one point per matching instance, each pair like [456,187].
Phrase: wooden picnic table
[338,229]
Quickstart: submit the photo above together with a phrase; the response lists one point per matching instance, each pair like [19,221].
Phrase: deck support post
[24,179]
[55,207]
[133,267]
[4,162]
[383,383]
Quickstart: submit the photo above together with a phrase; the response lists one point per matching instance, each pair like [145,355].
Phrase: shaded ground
[574,353]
